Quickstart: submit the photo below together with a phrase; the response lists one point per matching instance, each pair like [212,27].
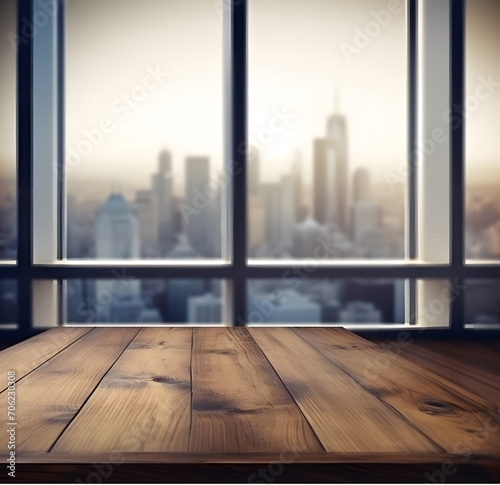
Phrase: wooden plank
[470,365]
[452,417]
[30,353]
[49,397]
[345,417]
[143,403]
[239,403]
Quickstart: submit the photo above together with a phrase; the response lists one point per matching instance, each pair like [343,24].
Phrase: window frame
[36,277]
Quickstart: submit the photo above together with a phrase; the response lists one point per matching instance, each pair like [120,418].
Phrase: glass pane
[343,301]
[327,128]
[482,303]
[482,115]
[8,120]
[8,301]
[143,129]
[145,301]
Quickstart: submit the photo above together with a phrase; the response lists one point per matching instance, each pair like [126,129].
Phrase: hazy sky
[111,45]
[295,60]
[7,89]
[483,60]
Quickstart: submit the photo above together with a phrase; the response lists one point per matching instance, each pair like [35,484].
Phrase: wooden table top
[223,395]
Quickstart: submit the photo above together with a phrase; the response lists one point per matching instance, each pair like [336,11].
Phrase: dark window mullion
[457,43]
[24,167]
[412,151]
[238,133]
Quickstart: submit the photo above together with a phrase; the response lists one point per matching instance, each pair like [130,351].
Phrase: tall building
[253,171]
[163,206]
[361,185]
[287,211]
[197,224]
[255,209]
[279,207]
[117,235]
[299,208]
[144,205]
[331,184]
[366,219]
[179,290]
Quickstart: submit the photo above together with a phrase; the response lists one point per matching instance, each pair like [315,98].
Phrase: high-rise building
[271,199]
[331,185]
[366,219]
[253,171]
[361,185]
[117,235]
[287,211]
[206,308]
[144,206]
[278,201]
[196,224]
[163,207]
[256,208]
[300,209]
[178,290]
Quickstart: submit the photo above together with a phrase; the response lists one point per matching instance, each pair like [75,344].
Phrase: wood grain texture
[345,417]
[471,365]
[303,395]
[29,354]
[239,403]
[49,397]
[458,421]
[143,403]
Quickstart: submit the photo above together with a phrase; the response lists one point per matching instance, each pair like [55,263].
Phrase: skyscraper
[197,224]
[300,210]
[331,174]
[253,170]
[279,212]
[361,185]
[117,235]
[255,209]
[366,218]
[145,209]
[162,189]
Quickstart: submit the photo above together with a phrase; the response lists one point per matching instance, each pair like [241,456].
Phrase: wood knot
[172,381]
[431,405]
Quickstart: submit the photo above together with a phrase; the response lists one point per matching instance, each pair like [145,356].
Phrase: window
[326,136]
[482,121]
[363,226]
[143,129]
[8,195]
